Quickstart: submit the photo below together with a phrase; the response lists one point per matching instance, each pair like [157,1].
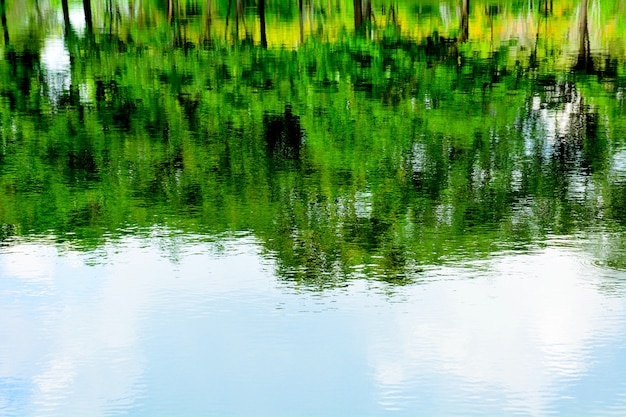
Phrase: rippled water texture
[300,208]
[143,328]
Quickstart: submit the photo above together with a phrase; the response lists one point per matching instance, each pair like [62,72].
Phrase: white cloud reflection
[522,328]
[56,61]
[29,261]
[166,324]
[77,18]
[78,331]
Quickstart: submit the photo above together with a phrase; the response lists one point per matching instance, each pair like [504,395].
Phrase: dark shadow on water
[284,136]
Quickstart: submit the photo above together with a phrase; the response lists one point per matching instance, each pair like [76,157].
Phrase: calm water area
[312,208]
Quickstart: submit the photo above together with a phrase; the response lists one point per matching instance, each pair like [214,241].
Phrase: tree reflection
[3,19]
[464,29]
[584,61]
[362,15]
[262,22]
[66,16]
[88,15]
[345,156]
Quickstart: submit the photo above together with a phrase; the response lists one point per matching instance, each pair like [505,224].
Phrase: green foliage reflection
[349,155]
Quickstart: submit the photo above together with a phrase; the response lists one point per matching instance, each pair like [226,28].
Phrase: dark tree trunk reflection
[88,15]
[464,26]
[545,6]
[584,62]
[230,2]
[362,14]
[239,14]
[66,16]
[262,22]
[209,21]
[358,14]
[3,17]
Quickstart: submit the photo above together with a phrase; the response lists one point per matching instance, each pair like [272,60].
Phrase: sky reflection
[191,327]
[520,336]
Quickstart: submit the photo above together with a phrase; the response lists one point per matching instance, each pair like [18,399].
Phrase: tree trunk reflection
[584,62]
[358,14]
[88,15]
[262,22]
[464,29]
[3,17]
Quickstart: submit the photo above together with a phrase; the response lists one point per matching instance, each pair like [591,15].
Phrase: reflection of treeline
[288,23]
[360,156]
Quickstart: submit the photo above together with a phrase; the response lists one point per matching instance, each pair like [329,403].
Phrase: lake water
[200,326]
[303,209]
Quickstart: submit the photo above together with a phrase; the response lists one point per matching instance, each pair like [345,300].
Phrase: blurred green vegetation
[347,154]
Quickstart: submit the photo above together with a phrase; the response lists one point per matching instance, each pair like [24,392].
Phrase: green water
[311,209]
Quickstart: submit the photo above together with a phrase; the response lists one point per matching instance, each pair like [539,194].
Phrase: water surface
[300,209]
[145,329]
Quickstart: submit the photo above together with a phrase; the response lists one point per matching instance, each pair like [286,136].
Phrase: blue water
[199,326]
